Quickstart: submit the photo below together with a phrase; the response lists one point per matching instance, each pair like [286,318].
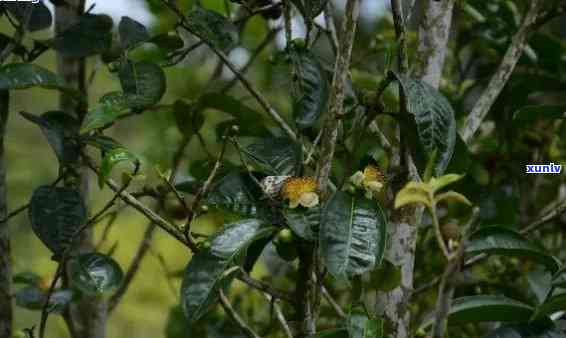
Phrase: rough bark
[5,257]
[87,317]
[434,31]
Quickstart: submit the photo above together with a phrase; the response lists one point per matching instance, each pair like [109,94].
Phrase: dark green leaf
[131,32]
[110,160]
[310,90]
[485,308]
[304,222]
[236,192]
[143,83]
[386,277]
[540,282]
[360,326]
[109,108]
[27,75]
[530,330]
[91,35]
[352,235]
[94,273]
[213,28]
[55,215]
[533,113]
[275,156]
[502,241]
[434,118]
[335,333]
[167,42]
[60,129]
[102,142]
[249,121]
[59,301]
[552,305]
[189,121]
[205,273]
[30,297]
[27,277]
[39,18]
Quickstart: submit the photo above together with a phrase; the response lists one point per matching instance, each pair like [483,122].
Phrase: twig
[279,315]
[45,307]
[333,303]
[448,282]
[265,288]
[502,74]
[246,329]
[18,35]
[14,213]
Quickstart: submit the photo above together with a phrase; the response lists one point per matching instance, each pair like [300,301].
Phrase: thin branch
[279,315]
[265,288]
[14,213]
[448,282]
[503,73]
[246,329]
[333,303]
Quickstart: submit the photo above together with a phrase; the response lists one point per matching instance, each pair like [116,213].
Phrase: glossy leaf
[352,235]
[485,308]
[236,192]
[205,273]
[60,129]
[27,75]
[131,32]
[212,27]
[527,330]
[434,119]
[310,86]
[108,109]
[110,160]
[59,301]
[553,304]
[502,241]
[275,156]
[95,274]
[143,83]
[91,35]
[39,18]
[55,215]
[304,222]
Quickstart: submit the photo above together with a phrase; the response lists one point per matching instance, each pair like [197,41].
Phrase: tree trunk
[5,257]
[434,31]
[87,317]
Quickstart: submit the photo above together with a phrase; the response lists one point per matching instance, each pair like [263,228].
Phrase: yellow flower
[300,191]
[371,179]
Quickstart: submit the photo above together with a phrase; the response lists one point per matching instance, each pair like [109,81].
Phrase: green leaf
[131,32]
[102,142]
[533,113]
[352,235]
[91,35]
[40,16]
[95,274]
[213,28]
[59,301]
[542,329]
[485,308]
[30,297]
[540,283]
[236,192]
[310,86]
[26,277]
[143,83]
[434,118]
[109,108]
[502,241]
[204,274]
[55,214]
[110,160]
[360,326]
[249,121]
[275,156]
[386,277]
[304,222]
[167,42]
[552,305]
[189,121]
[60,129]
[27,75]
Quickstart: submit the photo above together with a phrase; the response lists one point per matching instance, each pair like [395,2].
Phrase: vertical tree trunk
[86,318]
[5,257]
[434,31]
